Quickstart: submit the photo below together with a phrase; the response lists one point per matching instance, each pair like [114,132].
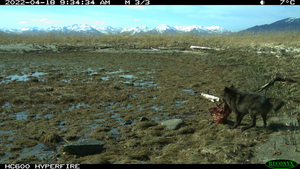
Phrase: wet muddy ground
[49,99]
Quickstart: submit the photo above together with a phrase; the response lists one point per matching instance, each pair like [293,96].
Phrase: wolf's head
[228,93]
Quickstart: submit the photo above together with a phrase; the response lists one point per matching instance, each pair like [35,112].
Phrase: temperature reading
[291,2]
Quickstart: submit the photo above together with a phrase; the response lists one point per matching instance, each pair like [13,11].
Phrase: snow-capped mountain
[281,25]
[292,20]
[135,30]
[85,29]
[188,28]
[78,27]
[162,28]
[109,29]
[29,29]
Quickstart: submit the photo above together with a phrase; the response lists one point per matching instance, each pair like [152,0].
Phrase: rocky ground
[138,106]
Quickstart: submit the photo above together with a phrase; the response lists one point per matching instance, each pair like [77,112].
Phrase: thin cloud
[97,22]
[151,20]
[50,22]
[41,20]
[136,20]
[23,22]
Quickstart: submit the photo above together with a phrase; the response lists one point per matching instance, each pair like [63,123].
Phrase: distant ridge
[288,24]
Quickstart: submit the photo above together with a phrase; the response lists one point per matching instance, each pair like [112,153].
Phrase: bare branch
[274,79]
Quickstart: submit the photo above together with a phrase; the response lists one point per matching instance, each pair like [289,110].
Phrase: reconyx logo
[281,163]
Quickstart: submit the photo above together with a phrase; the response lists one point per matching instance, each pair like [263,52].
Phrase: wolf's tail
[277,103]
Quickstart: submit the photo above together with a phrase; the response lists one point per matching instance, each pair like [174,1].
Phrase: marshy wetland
[119,90]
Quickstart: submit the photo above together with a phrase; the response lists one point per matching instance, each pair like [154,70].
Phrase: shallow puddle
[39,151]
[115,72]
[76,107]
[62,125]
[21,115]
[7,105]
[189,90]
[127,76]
[24,77]
[6,132]
[47,116]
[181,102]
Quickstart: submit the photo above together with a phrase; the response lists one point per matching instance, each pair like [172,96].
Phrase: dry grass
[282,38]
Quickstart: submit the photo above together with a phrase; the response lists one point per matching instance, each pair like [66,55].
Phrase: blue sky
[229,17]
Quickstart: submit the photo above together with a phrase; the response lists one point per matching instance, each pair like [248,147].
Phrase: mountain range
[84,29]
[290,24]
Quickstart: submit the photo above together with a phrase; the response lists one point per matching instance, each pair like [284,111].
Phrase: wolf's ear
[229,90]
[226,89]
[232,87]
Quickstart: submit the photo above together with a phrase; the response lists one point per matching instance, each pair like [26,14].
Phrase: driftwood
[274,79]
[210,97]
[205,48]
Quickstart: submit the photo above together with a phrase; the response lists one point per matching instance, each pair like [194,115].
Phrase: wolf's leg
[253,117]
[238,119]
[264,117]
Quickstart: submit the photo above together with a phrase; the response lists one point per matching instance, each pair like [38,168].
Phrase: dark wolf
[242,103]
